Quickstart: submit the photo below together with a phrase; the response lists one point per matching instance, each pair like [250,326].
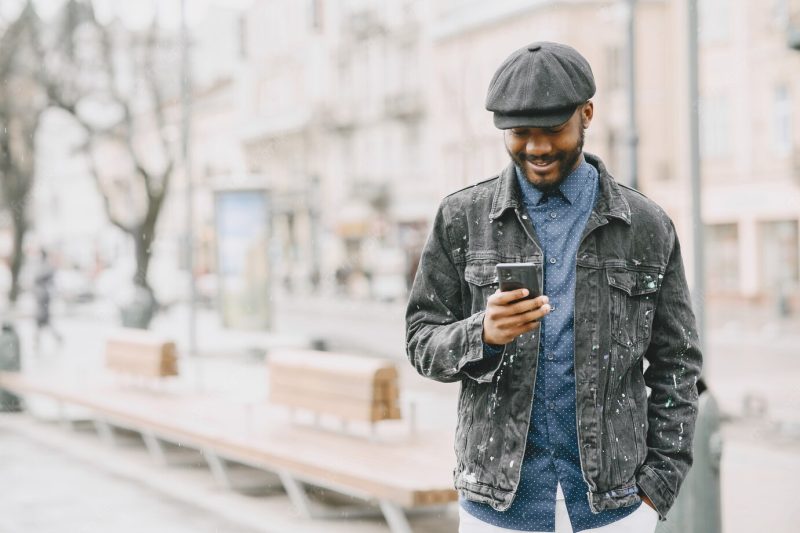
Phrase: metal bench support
[64,420]
[155,448]
[395,517]
[105,432]
[219,469]
[297,494]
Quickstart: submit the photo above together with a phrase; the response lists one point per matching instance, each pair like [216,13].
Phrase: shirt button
[553,260]
[552,406]
[551,356]
[553,215]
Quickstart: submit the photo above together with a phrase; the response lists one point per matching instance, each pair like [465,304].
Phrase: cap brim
[539,120]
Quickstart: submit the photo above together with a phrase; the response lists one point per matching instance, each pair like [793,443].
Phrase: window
[722,257]
[780,13]
[778,255]
[782,121]
[315,14]
[714,127]
[242,37]
[615,73]
[714,20]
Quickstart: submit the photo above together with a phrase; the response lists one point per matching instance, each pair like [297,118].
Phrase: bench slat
[141,353]
[343,385]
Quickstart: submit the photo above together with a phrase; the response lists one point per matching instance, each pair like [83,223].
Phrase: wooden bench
[141,353]
[344,386]
[399,474]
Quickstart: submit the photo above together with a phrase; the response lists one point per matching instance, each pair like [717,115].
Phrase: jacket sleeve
[674,367]
[441,343]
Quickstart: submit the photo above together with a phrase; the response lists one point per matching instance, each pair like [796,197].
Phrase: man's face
[548,155]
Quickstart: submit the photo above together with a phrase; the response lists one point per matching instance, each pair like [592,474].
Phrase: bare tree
[21,106]
[112,82]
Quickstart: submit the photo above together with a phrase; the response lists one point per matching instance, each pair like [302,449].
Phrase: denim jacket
[631,304]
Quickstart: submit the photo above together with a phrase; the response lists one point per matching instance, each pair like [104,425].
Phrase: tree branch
[89,152]
[151,45]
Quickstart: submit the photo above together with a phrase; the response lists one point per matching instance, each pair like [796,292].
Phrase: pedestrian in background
[43,284]
[555,429]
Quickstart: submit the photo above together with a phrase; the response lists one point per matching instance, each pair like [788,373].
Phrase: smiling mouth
[541,166]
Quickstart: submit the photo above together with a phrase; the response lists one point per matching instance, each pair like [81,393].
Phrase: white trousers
[642,520]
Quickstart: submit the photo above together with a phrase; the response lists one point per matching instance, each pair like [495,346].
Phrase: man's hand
[504,321]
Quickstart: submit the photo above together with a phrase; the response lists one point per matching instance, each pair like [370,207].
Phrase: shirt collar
[610,202]
[571,188]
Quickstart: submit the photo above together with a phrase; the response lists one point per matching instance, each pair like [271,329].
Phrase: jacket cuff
[493,350]
[651,484]
[475,365]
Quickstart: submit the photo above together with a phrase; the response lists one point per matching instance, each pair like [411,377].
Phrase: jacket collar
[610,203]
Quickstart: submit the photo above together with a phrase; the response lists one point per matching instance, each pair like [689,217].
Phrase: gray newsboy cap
[539,86]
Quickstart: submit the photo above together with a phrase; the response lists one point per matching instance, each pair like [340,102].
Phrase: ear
[587,113]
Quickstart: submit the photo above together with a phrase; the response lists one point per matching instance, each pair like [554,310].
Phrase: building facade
[750,152]
[356,117]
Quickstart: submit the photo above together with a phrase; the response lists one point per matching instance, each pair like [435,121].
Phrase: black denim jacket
[631,303]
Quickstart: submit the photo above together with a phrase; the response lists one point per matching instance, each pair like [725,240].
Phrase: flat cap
[539,86]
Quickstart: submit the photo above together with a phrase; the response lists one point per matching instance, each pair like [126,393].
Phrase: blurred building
[335,110]
[285,77]
[355,117]
[750,110]
[378,121]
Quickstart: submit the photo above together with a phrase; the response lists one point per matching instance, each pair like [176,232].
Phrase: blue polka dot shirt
[551,466]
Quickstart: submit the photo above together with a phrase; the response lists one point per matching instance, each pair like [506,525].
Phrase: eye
[519,132]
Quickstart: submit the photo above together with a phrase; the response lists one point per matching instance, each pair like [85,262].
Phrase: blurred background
[252,174]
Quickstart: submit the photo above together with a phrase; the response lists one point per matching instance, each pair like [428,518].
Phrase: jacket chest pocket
[632,299]
[481,280]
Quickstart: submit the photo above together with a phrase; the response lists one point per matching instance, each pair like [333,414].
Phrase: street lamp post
[694,174]
[185,123]
[633,135]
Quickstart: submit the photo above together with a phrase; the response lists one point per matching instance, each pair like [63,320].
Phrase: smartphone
[513,276]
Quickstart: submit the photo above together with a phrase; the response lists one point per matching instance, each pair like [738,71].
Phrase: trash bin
[9,361]
[697,508]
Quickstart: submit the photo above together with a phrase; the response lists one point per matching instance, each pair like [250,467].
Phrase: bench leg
[395,517]
[219,469]
[64,420]
[297,494]
[105,432]
[155,448]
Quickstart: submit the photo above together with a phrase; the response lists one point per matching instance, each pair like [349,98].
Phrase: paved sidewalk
[49,488]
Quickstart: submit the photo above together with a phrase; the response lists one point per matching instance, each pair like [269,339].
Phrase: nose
[537,145]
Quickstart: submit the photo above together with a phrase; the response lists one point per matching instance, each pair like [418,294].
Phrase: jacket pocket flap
[480,274]
[633,282]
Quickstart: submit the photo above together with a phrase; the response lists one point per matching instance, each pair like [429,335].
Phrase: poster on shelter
[242,227]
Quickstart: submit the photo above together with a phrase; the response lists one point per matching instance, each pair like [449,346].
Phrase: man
[42,290]
[555,429]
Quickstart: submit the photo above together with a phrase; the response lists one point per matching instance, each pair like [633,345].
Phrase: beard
[566,161]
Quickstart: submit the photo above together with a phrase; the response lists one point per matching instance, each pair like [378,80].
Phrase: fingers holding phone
[508,315]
